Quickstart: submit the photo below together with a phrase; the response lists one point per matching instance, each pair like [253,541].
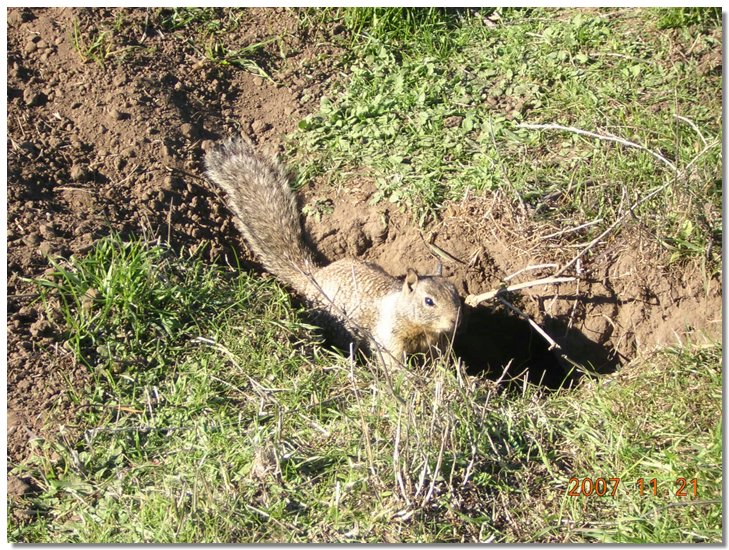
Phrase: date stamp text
[610,486]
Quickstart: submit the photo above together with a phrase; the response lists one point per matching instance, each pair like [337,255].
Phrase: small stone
[27,312]
[289,110]
[48,230]
[78,173]
[206,145]
[40,328]
[452,121]
[116,114]
[33,98]
[32,239]
[17,487]
[258,81]
[88,299]
[15,17]
[178,86]
[259,126]
[189,130]
[81,229]
[41,44]
[45,248]
[30,47]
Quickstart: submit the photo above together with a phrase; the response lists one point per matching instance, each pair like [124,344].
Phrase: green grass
[421,30]
[672,18]
[429,127]
[214,414]
[657,419]
[93,45]
[210,20]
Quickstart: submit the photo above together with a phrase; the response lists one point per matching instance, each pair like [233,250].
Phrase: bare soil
[118,146]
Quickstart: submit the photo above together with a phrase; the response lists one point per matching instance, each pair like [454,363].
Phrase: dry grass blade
[604,137]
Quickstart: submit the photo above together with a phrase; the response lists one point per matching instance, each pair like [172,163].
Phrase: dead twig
[535,326]
[473,300]
[530,268]
[701,154]
[571,229]
[439,253]
[613,225]
[693,127]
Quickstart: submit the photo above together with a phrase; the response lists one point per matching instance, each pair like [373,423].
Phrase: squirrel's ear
[411,280]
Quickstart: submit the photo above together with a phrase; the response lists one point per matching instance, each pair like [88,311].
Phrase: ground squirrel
[358,300]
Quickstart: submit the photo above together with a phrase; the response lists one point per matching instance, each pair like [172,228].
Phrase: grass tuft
[92,46]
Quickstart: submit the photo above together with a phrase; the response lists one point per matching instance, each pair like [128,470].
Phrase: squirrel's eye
[429,301]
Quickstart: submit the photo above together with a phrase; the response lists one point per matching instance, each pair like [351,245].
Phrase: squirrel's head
[434,302]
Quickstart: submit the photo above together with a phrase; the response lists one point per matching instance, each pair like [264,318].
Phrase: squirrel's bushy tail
[259,196]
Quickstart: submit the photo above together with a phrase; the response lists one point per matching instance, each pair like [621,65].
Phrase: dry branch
[529,268]
[612,226]
[535,326]
[693,126]
[473,300]
[627,143]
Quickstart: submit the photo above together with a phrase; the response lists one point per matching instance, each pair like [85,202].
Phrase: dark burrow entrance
[492,339]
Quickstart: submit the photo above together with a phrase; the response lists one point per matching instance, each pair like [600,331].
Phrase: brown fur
[365,303]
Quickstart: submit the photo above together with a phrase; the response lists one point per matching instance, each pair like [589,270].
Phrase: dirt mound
[119,145]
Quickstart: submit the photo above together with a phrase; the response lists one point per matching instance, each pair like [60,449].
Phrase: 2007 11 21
[603,486]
